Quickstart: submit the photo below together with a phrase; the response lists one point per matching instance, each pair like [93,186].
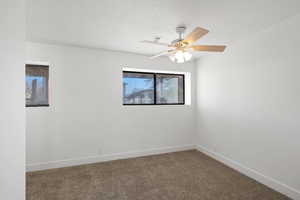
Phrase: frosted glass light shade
[180,57]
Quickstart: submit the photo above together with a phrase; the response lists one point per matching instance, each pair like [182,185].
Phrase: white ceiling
[121,24]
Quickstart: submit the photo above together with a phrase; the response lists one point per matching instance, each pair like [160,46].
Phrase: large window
[144,88]
[37,85]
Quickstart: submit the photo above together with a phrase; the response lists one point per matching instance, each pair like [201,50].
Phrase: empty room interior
[150,100]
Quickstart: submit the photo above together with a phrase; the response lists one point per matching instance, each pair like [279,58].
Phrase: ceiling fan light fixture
[187,56]
[172,57]
[180,60]
[180,57]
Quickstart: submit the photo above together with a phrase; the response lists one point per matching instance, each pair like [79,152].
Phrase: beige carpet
[187,175]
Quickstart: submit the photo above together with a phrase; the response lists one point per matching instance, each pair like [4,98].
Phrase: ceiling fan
[182,46]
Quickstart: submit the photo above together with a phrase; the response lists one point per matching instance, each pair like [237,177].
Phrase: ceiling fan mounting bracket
[180,30]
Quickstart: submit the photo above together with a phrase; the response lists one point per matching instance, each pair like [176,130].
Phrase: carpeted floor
[187,175]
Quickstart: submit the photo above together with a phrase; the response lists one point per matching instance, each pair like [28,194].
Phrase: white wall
[248,105]
[12,113]
[86,121]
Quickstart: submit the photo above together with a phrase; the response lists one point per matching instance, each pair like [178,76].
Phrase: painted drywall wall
[86,120]
[248,104]
[12,111]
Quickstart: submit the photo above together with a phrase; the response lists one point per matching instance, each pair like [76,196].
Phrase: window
[169,89]
[37,77]
[145,88]
[138,88]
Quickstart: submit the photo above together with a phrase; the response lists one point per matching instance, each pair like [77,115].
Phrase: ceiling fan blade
[157,43]
[163,53]
[196,34]
[214,48]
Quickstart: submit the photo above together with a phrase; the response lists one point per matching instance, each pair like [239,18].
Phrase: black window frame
[39,105]
[155,90]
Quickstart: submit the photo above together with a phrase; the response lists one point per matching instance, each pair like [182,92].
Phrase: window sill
[38,105]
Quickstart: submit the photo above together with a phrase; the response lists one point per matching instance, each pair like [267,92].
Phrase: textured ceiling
[120,24]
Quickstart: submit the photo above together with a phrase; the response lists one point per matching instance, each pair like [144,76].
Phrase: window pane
[138,88]
[169,89]
[37,85]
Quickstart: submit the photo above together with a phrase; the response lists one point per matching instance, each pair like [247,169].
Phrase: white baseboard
[103,158]
[268,181]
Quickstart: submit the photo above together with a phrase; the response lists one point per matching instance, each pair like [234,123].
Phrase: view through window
[37,85]
[145,88]
[169,89]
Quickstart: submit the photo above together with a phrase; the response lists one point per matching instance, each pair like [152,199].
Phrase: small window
[138,88]
[169,89]
[37,77]
[144,88]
